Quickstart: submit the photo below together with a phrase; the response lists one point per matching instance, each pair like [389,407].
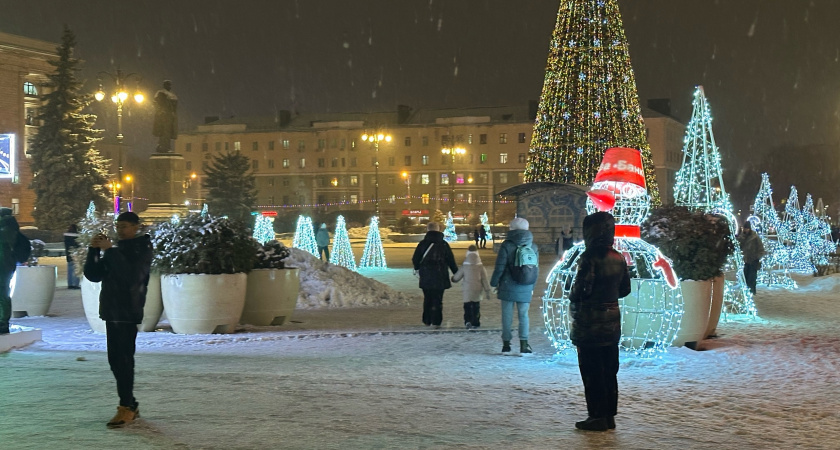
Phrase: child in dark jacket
[602,278]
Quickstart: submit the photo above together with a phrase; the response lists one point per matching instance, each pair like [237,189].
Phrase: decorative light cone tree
[304,236]
[486,226]
[765,221]
[652,312]
[449,233]
[589,101]
[342,253]
[795,241]
[816,233]
[699,186]
[374,254]
[263,229]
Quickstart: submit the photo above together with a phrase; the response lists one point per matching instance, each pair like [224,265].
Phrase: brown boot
[125,415]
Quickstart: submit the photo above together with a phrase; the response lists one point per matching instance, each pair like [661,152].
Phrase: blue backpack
[525,267]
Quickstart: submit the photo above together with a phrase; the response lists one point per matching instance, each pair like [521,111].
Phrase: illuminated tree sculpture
[374,254]
[449,233]
[699,186]
[765,221]
[816,233]
[263,229]
[304,236]
[589,101]
[486,226]
[795,240]
[342,253]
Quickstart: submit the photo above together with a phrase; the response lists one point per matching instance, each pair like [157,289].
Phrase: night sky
[770,68]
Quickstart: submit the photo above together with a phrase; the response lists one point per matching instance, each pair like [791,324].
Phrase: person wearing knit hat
[476,286]
[432,260]
[510,292]
[322,238]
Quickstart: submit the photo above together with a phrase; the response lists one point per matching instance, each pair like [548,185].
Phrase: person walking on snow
[602,278]
[482,232]
[14,248]
[512,294]
[433,259]
[753,250]
[322,238]
[476,286]
[124,273]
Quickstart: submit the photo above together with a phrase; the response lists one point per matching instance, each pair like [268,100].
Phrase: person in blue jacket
[512,294]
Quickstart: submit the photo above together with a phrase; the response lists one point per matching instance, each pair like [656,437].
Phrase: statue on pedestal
[166,118]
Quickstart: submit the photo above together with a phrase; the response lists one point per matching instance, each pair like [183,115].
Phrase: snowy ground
[365,378]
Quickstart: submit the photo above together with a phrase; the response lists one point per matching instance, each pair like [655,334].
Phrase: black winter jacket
[434,268]
[602,278]
[124,273]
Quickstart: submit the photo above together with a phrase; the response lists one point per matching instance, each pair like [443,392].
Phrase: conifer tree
[231,186]
[68,171]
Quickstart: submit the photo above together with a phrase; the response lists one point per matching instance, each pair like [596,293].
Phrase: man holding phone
[124,272]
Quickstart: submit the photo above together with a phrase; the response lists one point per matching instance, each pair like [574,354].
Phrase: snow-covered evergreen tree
[231,185]
[342,253]
[374,254]
[67,170]
[449,233]
[263,229]
[305,236]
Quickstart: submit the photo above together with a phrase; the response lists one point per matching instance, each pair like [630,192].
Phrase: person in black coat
[602,278]
[433,259]
[124,273]
[14,248]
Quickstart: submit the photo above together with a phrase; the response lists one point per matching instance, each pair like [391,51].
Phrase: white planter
[697,301]
[33,289]
[271,296]
[151,311]
[203,304]
[718,288]
[90,300]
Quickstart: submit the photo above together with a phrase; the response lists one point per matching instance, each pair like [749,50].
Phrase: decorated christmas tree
[204,210]
[699,186]
[589,101]
[816,235]
[486,226]
[765,221]
[793,237]
[263,229]
[449,233]
[374,254]
[342,253]
[304,236]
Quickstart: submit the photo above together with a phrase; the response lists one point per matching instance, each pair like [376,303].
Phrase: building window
[286,144]
[354,180]
[408,142]
[322,144]
[302,163]
[188,147]
[343,143]
[271,145]
[321,162]
[483,158]
[218,146]
[334,162]
[255,145]
[503,158]
[237,146]
[425,141]
[353,162]
[285,163]
[392,199]
[522,158]
[469,138]
[503,178]
[301,145]
[271,182]
[482,138]
[270,163]
[334,181]
[459,178]
[333,143]
[285,199]
[425,199]
[29,89]
[424,178]
[354,199]
[482,178]
[424,160]
[444,179]
[503,138]
[285,182]
[343,162]
[188,165]
[521,138]
[391,161]
[15,206]
[255,164]
[407,160]
[391,179]
[204,147]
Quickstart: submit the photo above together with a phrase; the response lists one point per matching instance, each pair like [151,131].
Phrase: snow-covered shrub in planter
[273,288]
[204,261]
[33,286]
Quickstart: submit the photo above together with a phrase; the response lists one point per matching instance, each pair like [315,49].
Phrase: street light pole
[375,139]
[407,177]
[119,97]
[452,151]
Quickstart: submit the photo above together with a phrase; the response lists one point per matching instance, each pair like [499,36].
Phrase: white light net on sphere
[651,314]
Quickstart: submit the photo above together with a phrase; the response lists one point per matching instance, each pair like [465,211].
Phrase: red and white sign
[415,212]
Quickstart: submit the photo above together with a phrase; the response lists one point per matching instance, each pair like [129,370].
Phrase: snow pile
[362,232]
[330,286]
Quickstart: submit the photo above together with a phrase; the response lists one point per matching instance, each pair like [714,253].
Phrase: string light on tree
[765,221]
[699,186]
[263,229]
[486,226]
[374,254]
[449,233]
[795,241]
[815,233]
[342,253]
[304,236]
[589,101]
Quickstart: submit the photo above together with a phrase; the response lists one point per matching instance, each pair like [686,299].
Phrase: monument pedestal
[166,188]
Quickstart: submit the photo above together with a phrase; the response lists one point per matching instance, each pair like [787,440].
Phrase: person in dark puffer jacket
[602,278]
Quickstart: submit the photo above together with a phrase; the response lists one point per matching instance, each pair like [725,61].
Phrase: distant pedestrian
[568,239]
[70,245]
[433,259]
[513,290]
[482,232]
[753,249]
[476,286]
[477,235]
[14,248]
[124,273]
[602,278]
[322,238]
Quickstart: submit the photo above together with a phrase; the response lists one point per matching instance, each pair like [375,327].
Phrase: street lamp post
[375,139]
[452,151]
[119,97]
[407,178]
[130,179]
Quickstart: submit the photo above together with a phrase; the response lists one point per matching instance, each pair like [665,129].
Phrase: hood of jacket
[520,237]
[599,230]
[434,237]
[472,258]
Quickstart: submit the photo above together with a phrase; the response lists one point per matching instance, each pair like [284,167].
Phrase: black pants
[322,250]
[598,369]
[483,242]
[121,337]
[751,274]
[432,306]
[5,301]
[472,313]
